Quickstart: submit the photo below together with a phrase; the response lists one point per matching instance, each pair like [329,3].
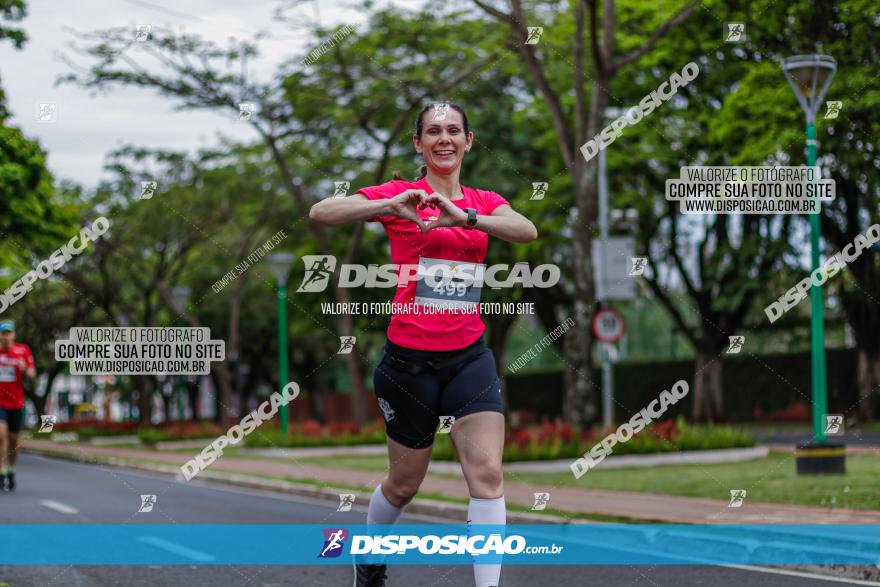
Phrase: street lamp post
[280,264]
[608,352]
[809,77]
[180,297]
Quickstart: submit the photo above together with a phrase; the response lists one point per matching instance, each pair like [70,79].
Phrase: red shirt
[13,362]
[449,330]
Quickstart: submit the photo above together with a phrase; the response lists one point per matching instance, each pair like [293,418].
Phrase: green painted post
[817,314]
[282,349]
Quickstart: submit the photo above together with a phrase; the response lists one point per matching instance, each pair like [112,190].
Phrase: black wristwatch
[471,221]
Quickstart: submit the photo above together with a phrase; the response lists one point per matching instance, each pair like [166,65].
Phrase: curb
[423,506]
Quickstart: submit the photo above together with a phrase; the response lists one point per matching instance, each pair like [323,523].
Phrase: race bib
[449,284]
[8,373]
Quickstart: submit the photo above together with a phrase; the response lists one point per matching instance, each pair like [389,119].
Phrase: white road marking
[58,506]
[176,548]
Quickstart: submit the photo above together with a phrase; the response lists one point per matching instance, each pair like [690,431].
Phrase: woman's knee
[401,491]
[486,480]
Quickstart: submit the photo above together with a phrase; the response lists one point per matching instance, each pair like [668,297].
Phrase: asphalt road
[52,491]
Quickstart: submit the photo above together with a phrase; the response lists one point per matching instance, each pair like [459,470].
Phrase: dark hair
[423,170]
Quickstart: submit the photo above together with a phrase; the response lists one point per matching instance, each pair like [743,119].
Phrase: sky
[87,127]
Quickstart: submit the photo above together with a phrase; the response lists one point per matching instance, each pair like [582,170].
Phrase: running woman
[436,365]
[16,362]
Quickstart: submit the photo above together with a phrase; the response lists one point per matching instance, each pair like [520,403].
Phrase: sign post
[608,327]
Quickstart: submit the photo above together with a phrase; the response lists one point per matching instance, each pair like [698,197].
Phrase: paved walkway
[850,449]
[646,506]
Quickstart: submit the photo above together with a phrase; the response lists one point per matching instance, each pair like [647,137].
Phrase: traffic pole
[282,349]
[817,313]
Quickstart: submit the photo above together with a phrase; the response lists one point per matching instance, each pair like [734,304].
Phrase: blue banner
[522,544]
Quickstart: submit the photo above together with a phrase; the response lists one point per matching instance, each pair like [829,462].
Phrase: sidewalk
[850,450]
[642,506]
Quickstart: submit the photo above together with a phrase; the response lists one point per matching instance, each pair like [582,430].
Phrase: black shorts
[12,418]
[413,403]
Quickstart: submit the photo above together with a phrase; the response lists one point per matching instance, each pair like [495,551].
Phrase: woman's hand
[450,214]
[407,204]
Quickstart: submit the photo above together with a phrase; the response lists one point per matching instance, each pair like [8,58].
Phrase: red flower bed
[519,436]
[796,411]
[665,430]
[551,432]
[313,433]
[339,428]
[310,428]
[95,424]
[314,429]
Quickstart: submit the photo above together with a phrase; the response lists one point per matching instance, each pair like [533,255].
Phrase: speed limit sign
[608,325]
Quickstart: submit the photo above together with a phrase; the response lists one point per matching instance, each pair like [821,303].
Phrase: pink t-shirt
[450,329]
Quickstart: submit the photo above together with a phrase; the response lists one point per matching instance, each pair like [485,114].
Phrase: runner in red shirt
[16,362]
[436,368]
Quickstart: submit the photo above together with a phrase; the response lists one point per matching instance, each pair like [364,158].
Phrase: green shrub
[151,435]
[272,437]
[86,433]
[548,442]
[712,437]
[188,430]
[91,427]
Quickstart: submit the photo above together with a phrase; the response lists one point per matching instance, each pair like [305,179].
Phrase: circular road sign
[608,325]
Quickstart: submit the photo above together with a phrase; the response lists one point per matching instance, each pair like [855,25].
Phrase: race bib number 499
[449,284]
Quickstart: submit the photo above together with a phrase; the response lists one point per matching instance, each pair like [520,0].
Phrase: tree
[742,112]
[209,212]
[708,271]
[34,219]
[11,11]
[769,121]
[31,218]
[295,121]
[586,115]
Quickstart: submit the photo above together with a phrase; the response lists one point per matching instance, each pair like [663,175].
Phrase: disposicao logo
[334,542]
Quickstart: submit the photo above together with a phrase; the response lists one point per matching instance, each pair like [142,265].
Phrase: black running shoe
[10,481]
[369,575]
[4,485]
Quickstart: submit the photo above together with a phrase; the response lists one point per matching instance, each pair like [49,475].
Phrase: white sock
[381,510]
[487,511]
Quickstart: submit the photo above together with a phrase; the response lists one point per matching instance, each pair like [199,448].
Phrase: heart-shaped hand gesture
[407,204]
[450,214]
